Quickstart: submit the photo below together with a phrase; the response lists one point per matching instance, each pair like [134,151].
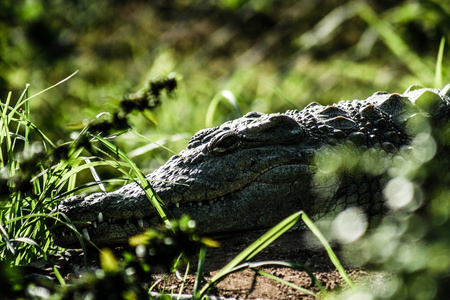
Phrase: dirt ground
[247,284]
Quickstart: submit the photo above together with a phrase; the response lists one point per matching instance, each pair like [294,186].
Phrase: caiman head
[252,172]
[246,174]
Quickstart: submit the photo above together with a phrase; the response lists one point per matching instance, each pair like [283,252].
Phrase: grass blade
[254,265]
[155,144]
[20,103]
[180,292]
[198,279]
[255,248]
[270,276]
[327,247]
[96,176]
[438,74]
[5,236]
[4,132]
[151,195]
[299,267]
[231,99]
[328,27]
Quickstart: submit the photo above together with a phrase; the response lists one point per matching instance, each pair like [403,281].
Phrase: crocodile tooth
[86,234]
[141,222]
[94,224]
[100,217]
[127,221]
[200,203]
[63,233]
[110,220]
[190,203]
[177,204]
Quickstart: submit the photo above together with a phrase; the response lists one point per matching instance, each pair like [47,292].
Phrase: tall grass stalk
[438,73]
[227,97]
[201,265]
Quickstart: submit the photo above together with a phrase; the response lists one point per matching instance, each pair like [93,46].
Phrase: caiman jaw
[104,229]
[117,232]
[99,223]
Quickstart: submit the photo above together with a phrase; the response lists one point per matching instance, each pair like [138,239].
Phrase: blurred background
[269,56]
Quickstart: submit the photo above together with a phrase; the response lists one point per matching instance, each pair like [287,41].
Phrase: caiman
[252,172]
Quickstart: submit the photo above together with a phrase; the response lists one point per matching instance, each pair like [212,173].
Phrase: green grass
[35,128]
[36,174]
[344,73]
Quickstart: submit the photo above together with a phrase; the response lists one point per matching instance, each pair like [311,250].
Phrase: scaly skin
[252,172]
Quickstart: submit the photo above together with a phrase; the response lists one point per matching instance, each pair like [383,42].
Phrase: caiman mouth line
[124,228]
[222,197]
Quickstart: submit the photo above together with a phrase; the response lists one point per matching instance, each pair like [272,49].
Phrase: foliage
[164,247]
[36,172]
[116,279]
[121,279]
[11,283]
[280,51]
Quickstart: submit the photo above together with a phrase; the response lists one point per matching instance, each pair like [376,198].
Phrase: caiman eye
[225,143]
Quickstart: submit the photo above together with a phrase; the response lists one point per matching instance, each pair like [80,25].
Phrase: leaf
[107,261]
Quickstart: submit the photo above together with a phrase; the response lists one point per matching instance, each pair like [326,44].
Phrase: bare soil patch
[247,284]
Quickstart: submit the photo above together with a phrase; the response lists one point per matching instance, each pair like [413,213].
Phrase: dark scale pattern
[371,122]
[252,172]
